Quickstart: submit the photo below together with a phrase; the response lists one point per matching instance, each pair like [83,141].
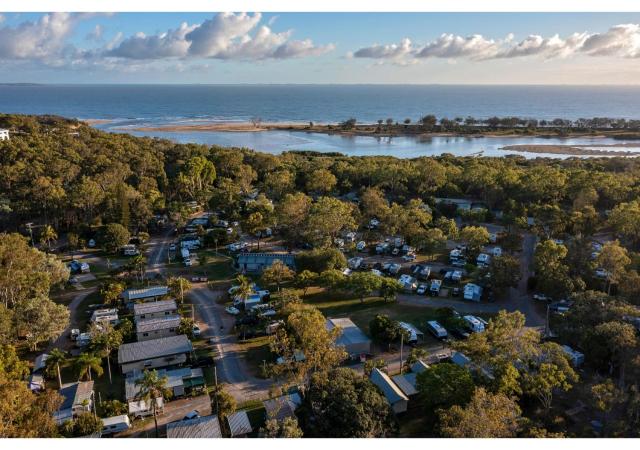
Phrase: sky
[314,48]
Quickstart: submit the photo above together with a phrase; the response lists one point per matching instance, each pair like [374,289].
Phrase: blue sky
[451,48]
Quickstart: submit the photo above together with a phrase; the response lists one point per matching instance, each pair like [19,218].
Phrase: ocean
[125,107]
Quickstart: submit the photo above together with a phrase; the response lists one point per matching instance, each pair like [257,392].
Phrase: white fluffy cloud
[622,41]
[225,36]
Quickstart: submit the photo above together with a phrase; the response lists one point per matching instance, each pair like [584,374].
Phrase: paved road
[63,341]
[157,248]
[217,326]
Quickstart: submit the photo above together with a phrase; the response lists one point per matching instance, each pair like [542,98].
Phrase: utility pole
[215,377]
[401,345]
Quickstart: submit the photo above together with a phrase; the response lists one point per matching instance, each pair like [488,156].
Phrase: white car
[196,330]
[601,273]
[172,247]
[409,258]
[422,289]
[188,263]
[232,310]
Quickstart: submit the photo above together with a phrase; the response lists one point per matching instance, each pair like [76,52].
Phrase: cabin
[205,427]
[154,354]
[257,262]
[155,310]
[394,395]
[157,327]
[77,398]
[148,294]
[239,424]
[180,382]
[109,316]
[352,338]
[4,134]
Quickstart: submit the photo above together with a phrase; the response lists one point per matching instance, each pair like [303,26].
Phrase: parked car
[460,333]
[409,258]
[455,292]
[195,330]
[188,263]
[191,415]
[541,297]
[232,310]
[422,289]
[172,247]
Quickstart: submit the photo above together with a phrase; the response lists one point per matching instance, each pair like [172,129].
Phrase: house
[105,316]
[575,357]
[472,292]
[77,398]
[280,408]
[354,341]
[419,366]
[239,424]
[181,382]
[460,203]
[396,398]
[148,294]
[4,135]
[406,383]
[157,327]
[257,262]
[154,354]
[154,310]
[204,427]
[460,359]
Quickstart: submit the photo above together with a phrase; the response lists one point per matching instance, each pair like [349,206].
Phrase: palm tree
[152,387]
[244,287]
[104,340]
[86,363]
[47,235]
[55,359]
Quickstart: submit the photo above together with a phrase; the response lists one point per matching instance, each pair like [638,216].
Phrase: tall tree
[56,359]
[152,387]
[86,364]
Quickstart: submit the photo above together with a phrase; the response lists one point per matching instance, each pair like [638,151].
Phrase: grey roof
[152,291]
[266,259]
[75,394]
[350,333]
[460,359]
[157,323]
[154,307]
[392,392]
[198,428]
[282,407]
[175,378]
[419,366]
[154,348]
[406,383]
[40,362]
[239,424]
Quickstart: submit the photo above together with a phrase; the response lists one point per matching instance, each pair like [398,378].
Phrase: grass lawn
[255,352]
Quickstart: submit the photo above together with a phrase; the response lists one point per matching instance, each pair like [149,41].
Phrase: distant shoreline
[570,150]
[362,130]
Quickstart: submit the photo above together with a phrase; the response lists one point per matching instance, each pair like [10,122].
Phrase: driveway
[217,326]
[63,341]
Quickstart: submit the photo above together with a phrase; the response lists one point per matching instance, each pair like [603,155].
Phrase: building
[205,427]
[157,327]
[280,408]
[406,383]
[154,354]
[4,135]
[394,395]
[354,341]
[181,382]
[415,335]
[36,379]
[145,294]
[257,262]
[575,357]
[153,310]
[460,203]
[77,398]
[239,424]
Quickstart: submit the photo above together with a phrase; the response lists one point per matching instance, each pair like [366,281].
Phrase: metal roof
[198,428]
[392,392]
[419,366]
[282,407]
[157,323]
[152,291]
[75,394]
[349,331]
[406,383]
[175,378]
[154,307]
[266,259]
[154,348]
[239,424]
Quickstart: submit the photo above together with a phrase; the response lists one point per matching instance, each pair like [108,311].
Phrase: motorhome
[354,263]
[436,329]
[130,250]
[184,252]
[115,424]
[473,324]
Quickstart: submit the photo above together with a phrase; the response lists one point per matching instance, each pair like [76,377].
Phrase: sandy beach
[571,150]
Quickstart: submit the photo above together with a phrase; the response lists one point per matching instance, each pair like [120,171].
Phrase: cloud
[226,36]
[622,41]
[95,34]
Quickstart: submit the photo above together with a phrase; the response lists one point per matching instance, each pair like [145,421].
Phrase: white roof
[106,421]
[153,291]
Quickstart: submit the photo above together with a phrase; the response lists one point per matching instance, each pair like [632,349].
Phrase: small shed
[239,424]
[352,338]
